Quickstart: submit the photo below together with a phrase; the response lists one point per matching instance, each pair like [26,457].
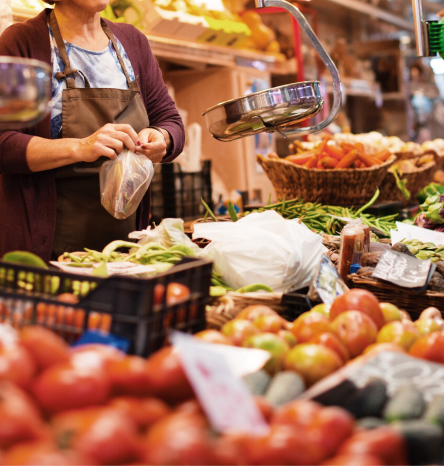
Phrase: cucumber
[424,440]
[369,401]
[406,403]
[257,382]
[435,411]
[284,387]
[25,258]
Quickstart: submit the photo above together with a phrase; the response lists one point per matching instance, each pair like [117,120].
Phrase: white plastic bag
[262,248]
[123,183]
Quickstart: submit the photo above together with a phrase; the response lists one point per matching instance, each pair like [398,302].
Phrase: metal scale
[279,108]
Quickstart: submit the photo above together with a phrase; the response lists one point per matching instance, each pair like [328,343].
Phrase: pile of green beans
[323,218]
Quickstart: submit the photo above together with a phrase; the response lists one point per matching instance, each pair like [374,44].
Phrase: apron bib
[81,220]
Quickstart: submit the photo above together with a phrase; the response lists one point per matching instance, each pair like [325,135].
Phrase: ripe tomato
[213,336]
[239,330]
[94,355]
[65,386]
[308,325]
[254,311]
[106,435]
[159,291]
[166,378]
[354,460]
[331,427]
[144,412]
[44,345]
[176,292]
[302,412]
[430,347]
[358,300]
[229,449]
[17,365]
[20,418]
[330,340]
[382,442]
[44,452]
[181,438]
[128,376]
[356,330]
[285,444]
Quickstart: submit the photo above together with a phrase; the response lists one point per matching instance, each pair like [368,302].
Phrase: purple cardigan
[27,199]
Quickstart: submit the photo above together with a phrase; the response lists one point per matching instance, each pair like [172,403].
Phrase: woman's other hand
[108,141]
[154,144]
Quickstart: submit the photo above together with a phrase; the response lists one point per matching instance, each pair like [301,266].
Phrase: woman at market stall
[108,94]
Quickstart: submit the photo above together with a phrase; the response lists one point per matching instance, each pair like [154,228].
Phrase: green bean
[205,217]
[210,213]
[232,212]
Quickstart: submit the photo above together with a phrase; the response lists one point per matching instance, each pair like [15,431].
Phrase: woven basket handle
[337,91]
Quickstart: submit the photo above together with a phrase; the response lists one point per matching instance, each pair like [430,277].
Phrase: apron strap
[70,83]
[109,33]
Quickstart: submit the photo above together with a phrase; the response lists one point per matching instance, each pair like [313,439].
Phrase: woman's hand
[108,141]
[154,144]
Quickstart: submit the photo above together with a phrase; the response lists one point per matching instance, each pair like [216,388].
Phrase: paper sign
[328,284]
[114,268]
[403,270]
[225,398]
[422,234]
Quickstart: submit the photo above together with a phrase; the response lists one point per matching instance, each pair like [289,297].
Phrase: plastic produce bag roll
[123,183]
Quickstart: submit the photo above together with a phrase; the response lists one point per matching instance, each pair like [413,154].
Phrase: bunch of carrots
[327,156]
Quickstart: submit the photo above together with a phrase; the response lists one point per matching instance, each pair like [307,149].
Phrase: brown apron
[81,220]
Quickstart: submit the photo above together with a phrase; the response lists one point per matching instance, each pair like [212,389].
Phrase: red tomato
[354,460]
[107,435]
[430,347]
[176,292]
[17,365]
[166,377]
[331,427]
[330,340]
[264,406]
[213,336]
[94,355]
[65,386]
[159,291]
[143,411]
[358,300]
[286,444]
[229,449]
[180,438]
[308,325]
[382,442]
[128,376]
[44,452]
[20,418]
[302,412]
[44,345]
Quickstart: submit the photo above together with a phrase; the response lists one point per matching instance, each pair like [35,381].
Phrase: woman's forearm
[46,154]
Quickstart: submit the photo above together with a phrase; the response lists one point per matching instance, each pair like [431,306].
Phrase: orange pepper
[335,152]
[329,162]
[311,163]
[383,155]
[348,160]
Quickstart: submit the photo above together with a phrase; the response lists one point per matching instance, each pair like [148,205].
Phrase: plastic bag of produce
[123,183]
[263,248]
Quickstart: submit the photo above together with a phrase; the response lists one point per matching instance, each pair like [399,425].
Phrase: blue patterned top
[102,69]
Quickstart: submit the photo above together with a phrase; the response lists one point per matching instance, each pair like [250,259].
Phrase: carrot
[335,152]
[301,158]
[347,147]
[319,166]
[348,160]
[368,160]
[328,162]
[311,163]
[323,144]
[383,155]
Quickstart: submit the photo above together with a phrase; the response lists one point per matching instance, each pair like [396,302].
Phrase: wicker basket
[415,182]
[403,298]
[335,187]
[228,307]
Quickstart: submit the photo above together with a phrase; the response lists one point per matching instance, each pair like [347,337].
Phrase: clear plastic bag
[123,183]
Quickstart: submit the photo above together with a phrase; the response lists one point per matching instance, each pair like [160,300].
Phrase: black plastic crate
[28,295]
[297,303]
[176,194]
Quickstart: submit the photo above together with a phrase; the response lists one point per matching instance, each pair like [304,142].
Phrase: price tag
[224,397]
[405,271]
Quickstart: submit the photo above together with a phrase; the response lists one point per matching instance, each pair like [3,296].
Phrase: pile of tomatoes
[96,405]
